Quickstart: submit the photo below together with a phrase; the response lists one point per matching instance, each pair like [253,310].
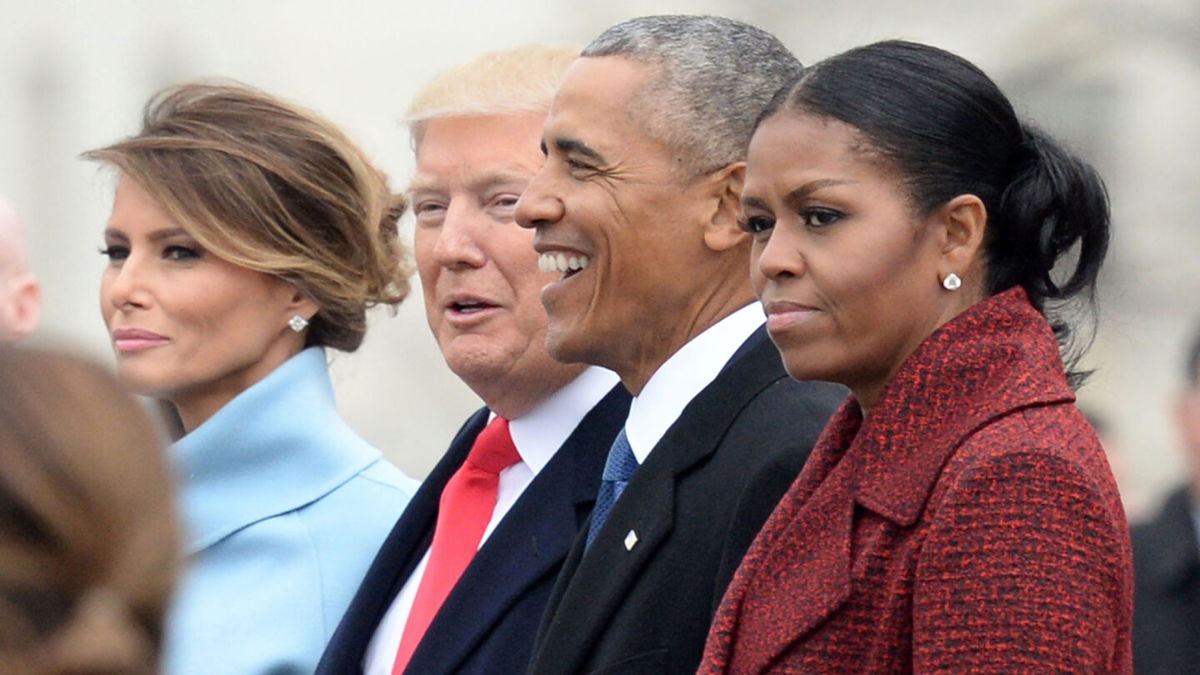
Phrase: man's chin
[480,363]
[566,346]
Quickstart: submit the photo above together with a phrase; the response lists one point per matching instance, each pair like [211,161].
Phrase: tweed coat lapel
[820,504]
[995,358]
[597,582]
[529,543]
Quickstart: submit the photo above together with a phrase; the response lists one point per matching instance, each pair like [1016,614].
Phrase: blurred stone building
[1118,79]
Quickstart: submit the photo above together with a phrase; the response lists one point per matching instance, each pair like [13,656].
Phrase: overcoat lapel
[600,580]
[529,543]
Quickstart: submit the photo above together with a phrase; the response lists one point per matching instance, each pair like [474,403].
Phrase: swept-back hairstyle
[276,188]
[714,77]
[88,535]
[947,130]
[504,82]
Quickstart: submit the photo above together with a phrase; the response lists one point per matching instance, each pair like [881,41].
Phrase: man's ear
[27,306]
[721,231]
[1187,419]
[961,224]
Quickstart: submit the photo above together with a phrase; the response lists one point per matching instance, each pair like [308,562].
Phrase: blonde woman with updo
[88,536]
[247,237]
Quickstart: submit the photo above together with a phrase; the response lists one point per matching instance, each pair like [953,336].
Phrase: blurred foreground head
[88,535]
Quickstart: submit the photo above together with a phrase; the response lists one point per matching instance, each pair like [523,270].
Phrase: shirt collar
[541,432]
[684,375]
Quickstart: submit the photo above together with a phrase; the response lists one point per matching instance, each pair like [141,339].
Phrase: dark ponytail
[948,130]
[1056,203]
[1053,202]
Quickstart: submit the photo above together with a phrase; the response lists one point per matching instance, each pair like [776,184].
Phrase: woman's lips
[782,316]
[136,339]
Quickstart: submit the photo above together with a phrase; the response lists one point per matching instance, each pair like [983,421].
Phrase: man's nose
[458,237]
[538,206]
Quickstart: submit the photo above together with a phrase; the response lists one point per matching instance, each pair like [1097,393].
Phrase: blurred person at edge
[475,129]
[88,534]
[20,294]
[247,236]
[636,210]
[1166,553]
[958,514]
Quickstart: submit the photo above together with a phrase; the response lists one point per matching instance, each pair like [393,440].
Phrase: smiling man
[636,209]
[460,584]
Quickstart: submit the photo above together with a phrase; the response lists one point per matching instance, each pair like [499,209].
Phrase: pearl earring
[952,282]
[297,323]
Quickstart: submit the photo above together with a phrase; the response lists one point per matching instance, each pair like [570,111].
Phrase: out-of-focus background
[1117,79]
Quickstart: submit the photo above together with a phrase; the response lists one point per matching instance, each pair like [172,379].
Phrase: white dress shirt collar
[542,431]
[684,375]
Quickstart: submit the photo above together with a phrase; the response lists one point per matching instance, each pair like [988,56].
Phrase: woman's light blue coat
[285,507]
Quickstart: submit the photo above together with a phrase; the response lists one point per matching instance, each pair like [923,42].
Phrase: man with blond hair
[461,582]
[20,295]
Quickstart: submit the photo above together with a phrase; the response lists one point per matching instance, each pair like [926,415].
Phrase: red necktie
[463,513]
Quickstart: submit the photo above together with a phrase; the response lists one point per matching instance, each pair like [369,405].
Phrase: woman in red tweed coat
[958,514]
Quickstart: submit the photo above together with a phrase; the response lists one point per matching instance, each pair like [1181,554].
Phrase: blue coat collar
[275,447]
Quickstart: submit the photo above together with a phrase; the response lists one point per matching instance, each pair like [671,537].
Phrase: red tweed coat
[970,524]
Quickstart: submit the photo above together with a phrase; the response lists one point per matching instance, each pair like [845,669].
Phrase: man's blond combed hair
[504,82]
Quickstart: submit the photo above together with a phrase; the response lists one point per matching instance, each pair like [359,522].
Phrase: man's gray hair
[715,76]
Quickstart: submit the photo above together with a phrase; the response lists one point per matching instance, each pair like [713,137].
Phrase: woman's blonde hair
[276,188]
[88,535]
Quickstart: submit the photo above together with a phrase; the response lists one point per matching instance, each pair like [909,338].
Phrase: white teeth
[558,262]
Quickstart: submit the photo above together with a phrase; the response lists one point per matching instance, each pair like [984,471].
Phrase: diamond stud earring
[297,322]
[951,282]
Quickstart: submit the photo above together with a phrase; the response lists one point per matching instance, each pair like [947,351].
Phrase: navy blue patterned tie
[617,471]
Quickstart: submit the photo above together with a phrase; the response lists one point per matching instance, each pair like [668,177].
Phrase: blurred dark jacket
[1166,607]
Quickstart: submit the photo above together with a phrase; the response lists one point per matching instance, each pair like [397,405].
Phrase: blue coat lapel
[285,426]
